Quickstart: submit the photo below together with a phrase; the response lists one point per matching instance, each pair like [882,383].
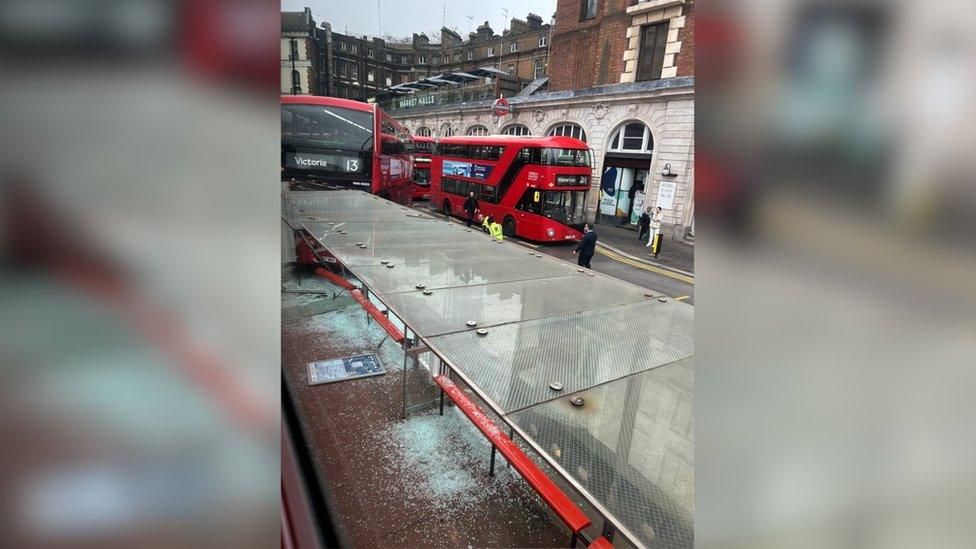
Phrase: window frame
[643,73]
[470,55]
[617,137]
[543,41]
[490,52]
[560,130]
[513,48]
[507,130]
[583,5]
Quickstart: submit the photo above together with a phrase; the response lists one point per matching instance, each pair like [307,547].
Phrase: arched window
[516,129]
[296,82]
[477,129]
[633,137]
[447,130]
[569,130]
[423,131]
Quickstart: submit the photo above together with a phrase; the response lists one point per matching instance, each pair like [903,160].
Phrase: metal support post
[572,540]
[404,373]
[608,530]
[442,402]
[491,468]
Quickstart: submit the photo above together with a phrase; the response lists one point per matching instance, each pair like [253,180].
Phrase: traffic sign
[501,107]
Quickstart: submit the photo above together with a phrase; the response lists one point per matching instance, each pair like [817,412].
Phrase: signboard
[638,208]
[416,101]
[349,163]
[501,107]
[665,195]
[608,191]
[341,369]
[466,169]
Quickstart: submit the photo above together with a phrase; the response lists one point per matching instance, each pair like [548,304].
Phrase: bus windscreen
[331,127]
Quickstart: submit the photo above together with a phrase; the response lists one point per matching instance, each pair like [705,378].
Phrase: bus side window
[524,155]
[528,202]
[488,194]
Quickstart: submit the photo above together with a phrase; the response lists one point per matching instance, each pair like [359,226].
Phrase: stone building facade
[302,54]
[665,107]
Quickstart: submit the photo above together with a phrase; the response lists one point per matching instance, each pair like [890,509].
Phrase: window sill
[653,5]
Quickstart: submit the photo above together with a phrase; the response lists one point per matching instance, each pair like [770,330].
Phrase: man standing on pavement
[655,225]
[587,247]
[470,206]
[644,222]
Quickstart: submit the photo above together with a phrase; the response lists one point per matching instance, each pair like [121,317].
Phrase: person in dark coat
[470,206]
[644,222]
[587,247]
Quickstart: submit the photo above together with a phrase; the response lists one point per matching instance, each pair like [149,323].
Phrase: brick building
[360,67]
[587,41]
[621,79]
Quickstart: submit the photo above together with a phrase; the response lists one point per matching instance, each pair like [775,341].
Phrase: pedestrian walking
[644,222]
[654,241]
[586,247]
[495,229]
[470,206]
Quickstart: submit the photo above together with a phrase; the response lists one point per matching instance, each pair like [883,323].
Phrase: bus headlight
[551,233]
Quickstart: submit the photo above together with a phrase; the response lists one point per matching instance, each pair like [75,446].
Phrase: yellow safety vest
[496,231]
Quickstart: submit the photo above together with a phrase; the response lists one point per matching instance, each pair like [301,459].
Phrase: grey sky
[404,17]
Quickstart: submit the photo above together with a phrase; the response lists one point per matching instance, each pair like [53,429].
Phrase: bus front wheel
[447,207]
[508,226]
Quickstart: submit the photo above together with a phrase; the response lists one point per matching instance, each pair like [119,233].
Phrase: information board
[341,369]
[665,195]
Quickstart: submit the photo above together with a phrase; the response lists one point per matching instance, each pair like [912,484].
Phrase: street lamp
[667,171]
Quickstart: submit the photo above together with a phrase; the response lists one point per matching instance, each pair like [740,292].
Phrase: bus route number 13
[352,165]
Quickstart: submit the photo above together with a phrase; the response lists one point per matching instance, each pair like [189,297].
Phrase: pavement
[676,255]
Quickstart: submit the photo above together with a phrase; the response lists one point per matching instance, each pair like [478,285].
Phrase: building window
[589,10]
[423,59]
[389,81]
[457,57]
[491,51]
[540,69]
[294,49]
[542,41]
[516,129]
[389,58]
[513,48]
[342,46]
[470,55]
[569,130]
[370,75]
[340,68]
[446,130]
[511,70]
[403,60]
[650,59]
[423,131]
[634,137]
[353,48]
[369,52]
[296,82]
[477,130]
[353,72]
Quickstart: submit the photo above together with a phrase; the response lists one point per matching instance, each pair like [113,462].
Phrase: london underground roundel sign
[501,107]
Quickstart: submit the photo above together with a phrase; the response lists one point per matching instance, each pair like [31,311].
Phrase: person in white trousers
[655,225]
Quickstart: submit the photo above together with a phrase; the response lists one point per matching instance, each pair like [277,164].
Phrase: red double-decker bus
[423,148]
[534,186]
[332,142]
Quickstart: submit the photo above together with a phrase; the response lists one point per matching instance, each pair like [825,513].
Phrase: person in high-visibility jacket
[495,229]
[486,224]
